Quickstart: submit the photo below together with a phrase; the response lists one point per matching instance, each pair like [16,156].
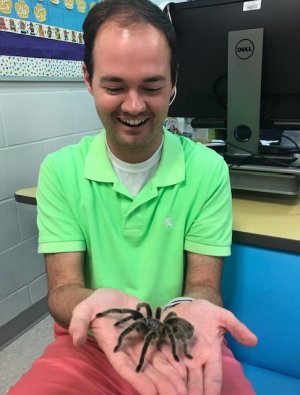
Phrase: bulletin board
[42,38]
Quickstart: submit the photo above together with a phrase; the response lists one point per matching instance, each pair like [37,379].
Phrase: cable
[167,8]
[174,96]
[293,141]
[240,161]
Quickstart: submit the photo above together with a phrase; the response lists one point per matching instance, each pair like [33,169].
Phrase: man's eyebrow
[155,78]
[112,78]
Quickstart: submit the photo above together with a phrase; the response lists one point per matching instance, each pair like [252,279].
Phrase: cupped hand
[159,375]
[210,323]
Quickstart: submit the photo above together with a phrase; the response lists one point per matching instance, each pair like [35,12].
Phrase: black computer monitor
[239,67]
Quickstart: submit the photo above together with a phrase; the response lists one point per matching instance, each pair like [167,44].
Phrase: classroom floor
[17,357]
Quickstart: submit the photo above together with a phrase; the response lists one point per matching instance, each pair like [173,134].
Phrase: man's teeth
[133,122]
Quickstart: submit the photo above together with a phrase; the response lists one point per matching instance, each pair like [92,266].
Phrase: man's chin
[134,135]
[133,141]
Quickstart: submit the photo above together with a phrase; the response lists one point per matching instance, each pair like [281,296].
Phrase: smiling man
[134,214]
[131,101]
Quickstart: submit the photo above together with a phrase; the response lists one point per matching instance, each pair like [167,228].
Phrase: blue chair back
[262,288]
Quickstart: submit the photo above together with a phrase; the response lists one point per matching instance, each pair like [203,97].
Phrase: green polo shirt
[135,244]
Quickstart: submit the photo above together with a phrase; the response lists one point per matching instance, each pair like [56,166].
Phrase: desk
[265,221]
[26,195]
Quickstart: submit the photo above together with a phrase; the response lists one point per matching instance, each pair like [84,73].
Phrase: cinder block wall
[36,118]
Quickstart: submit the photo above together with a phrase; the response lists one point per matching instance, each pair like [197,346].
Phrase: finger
[239,330]
[213,377]
[173,371]
[141,382]
[165,380]
[195,380]
[78,330]
[180,366]
[159,371]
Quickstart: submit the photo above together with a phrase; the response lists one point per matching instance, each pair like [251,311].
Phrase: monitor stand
[245,49]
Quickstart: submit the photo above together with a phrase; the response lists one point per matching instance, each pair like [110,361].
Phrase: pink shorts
[65,369]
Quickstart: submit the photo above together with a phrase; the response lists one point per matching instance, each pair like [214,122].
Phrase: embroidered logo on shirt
[168,223]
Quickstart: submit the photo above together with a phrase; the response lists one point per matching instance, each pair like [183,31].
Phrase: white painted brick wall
[36,118]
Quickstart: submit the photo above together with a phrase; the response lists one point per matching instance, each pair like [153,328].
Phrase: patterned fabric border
[36,47]
[15,66]
[40,30]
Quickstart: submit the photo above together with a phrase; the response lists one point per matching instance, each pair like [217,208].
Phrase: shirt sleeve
[59,230]
[211,231]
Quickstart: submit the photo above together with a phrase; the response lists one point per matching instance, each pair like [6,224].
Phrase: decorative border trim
[35,47]
[18,66]
[18,26]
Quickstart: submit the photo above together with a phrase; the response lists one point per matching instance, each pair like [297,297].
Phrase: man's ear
[174,89]
[87,80]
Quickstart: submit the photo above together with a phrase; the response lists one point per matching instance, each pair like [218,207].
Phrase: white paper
[252,5]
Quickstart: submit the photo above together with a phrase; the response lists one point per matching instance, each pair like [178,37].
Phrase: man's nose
[133,103]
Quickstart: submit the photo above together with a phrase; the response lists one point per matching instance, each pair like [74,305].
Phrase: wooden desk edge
[259,240]
[26,196]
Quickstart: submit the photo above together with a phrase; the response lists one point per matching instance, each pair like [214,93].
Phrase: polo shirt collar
[171,169]
[98,167]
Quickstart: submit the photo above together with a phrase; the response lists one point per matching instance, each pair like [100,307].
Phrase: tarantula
[173,327]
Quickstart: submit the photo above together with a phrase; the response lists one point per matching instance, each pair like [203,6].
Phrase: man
[134,214]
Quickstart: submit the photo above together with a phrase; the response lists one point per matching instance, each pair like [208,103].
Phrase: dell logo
[244,49]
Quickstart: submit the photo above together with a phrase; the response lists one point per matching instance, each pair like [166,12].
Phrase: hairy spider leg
[130,317]
[172,314]
[147,307]
[181,336]
[158,313]
[120,311]
[185,348]
[158,316]
[151,335]
[132,327]
[171,335]
[134,315]
[184,330]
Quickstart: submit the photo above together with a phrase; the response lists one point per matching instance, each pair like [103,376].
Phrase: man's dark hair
[126,13]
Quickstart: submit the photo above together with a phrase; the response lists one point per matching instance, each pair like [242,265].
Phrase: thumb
[239,330]
[78,328]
